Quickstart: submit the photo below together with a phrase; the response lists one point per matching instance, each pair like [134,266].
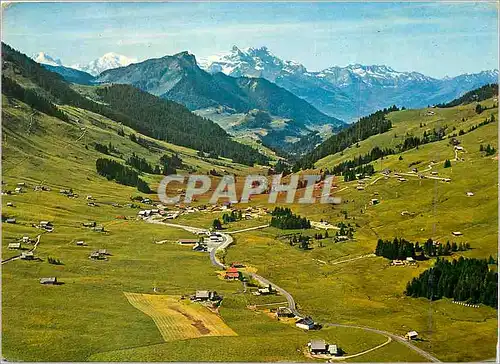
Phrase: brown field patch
[179,319]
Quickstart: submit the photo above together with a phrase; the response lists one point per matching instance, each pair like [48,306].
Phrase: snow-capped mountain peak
[261,62]
[108,61]
[370,75]
[44,58]
[250,62]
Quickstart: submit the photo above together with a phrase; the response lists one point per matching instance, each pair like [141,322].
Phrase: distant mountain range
[95,67]
[346,92]
[108,61]
[179,78]
[44,58]
[342,93]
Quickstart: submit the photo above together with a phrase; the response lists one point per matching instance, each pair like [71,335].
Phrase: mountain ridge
[179,78]
[109,60]
[347,92]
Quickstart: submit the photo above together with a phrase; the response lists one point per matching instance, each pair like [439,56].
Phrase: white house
[306,323]
[411,335]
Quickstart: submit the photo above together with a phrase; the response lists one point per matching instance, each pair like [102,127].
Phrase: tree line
[58,90]
[148,114]
[375,123]
[283,218]
[170,164]
[31,98]
[113,170]
[106,149]
[344,230]
[465,279]
[400,248]
[488,150]
[174,123]
[486,121]
[483,93]
[358,167]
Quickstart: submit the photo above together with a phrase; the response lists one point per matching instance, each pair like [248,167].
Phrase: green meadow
[88,318]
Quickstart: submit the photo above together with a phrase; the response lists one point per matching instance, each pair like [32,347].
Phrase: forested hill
[167,120]
[71,75]
[477,95]
[178,78]
[365,127]
[155,117]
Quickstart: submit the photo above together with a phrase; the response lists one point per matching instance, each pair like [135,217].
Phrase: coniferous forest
[174,123]
[367,126]
[283,218]
[400,248]
[359,165]
[465,279]
[148,114]
[480,94]
[113,170]
[31,98]
[170,164]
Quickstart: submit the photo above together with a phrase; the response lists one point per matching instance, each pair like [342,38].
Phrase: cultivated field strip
[179,320]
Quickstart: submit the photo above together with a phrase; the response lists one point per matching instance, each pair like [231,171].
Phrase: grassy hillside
[88,318]
[415,122]
[367,290]
[161,119]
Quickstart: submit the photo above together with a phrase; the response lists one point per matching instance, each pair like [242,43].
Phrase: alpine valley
[173,209]
[259,98]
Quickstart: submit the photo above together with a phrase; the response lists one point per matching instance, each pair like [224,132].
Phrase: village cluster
[205,242]
[164,212]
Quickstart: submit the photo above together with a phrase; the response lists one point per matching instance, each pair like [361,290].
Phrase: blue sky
[437,39]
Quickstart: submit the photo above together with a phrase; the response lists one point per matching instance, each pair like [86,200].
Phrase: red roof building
[232,273]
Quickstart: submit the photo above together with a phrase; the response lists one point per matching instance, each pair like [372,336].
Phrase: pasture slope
[88,318]
[368,291]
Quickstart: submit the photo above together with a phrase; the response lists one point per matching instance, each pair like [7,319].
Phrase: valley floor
[90,318]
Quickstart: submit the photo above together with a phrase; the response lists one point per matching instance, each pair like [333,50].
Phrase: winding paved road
[228,240]
[399,339]
[288,296]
